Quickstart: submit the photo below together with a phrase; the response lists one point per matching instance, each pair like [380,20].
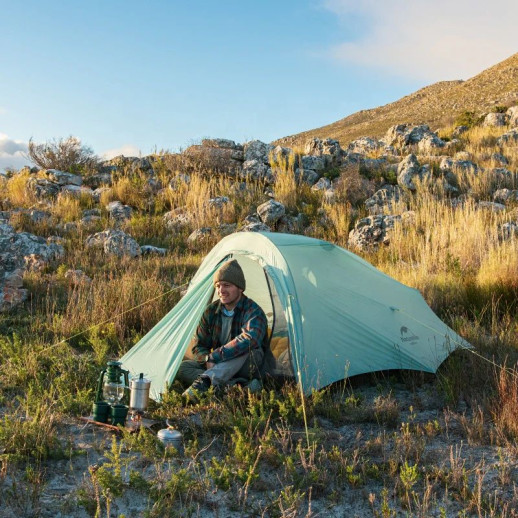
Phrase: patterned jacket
[248,332]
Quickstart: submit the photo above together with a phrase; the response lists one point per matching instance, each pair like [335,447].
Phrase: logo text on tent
[407,335]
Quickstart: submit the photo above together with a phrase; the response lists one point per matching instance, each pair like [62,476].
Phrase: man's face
[228,293]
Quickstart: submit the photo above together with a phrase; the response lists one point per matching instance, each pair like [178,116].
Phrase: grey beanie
[231,272]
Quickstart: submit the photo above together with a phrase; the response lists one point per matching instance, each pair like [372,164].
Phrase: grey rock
[372,231]
[385,198]
[152,250]
[429,144]
[512,114]
[199,235]
[459,130]
[226,229]
[508,230]
[505,195]
[97,193]
[364,145]
[77,277]
[491,205]
[62,178]
[114,242]
[329,196]
[271,211]
[219,202]
[256,170]
[215,159]
[408,170]
[43,188]
[118,211]
[499,159]
[257,150]
[178,219]
[291,224]
[322,185]
[178,180]
[306,175]
[495,119]
[256,227]
[313,163]
[508,139]
[452,165]
[407,135]
[219,143]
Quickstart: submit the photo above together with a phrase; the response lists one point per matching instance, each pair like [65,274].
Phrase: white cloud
[12,153]
[419,39]
[126,150]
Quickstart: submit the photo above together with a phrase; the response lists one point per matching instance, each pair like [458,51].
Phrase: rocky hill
[436,105]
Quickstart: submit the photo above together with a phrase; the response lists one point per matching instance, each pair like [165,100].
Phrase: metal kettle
[139,394]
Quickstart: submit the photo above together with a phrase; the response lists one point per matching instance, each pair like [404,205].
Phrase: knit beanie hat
[231,272]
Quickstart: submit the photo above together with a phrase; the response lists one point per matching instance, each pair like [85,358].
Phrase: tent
[330,314]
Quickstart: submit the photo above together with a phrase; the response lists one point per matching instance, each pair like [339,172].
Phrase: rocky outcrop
[409,170]
[375,230]
[21,252]
[114,242]
[271,212]
[384,200]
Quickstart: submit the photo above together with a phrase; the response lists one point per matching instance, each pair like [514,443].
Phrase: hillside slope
[435,105]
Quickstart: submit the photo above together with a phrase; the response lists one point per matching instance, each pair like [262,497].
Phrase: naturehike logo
[407,335]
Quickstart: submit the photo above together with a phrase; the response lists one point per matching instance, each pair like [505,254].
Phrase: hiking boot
[200,385]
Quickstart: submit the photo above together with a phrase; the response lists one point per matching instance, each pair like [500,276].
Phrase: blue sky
[134,77]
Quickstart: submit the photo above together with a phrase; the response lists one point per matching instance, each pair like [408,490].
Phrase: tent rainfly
[330,314]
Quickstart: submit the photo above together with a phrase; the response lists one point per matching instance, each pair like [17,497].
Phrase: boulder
[372,231]
[97,193]
[508,230]
[407,135]
[452,165]
[505,196]
[491,205]
[512,114]
[429,144]
[384,199]
[306,175]
[408,170]
[364,145]
[200,235]
[178,219]
[226,229]
[118,211]
[218,202]
[459,130]
[42,188]
[495,119]
[257,150]
[271,211]
[256,227]
[318,147]
[62,178]
[215,159]
[322,185]
[313,163]
[220,143]
[179,180]
[77,277]
[508,139]
[20,252]
[152,250]
[256,170]
[114,242]
[499,159]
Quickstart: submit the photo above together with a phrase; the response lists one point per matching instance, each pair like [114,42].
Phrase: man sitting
[230,339]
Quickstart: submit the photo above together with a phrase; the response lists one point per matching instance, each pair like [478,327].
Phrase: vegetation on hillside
[436,105]
[387,444]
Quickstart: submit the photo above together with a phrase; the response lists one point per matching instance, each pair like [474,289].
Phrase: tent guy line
[112,318]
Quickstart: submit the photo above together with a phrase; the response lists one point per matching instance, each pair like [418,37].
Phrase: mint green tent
[330,314]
